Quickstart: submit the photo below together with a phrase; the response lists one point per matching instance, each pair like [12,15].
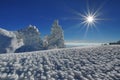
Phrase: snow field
[90,63]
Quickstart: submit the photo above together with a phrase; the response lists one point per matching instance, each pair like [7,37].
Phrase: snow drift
[91,63]
[9,41]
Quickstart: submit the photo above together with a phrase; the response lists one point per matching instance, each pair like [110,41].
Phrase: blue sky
[17,14]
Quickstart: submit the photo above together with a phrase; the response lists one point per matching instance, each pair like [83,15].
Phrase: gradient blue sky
[17,14]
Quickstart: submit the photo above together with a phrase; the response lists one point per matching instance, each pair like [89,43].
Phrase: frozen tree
[45,43]
[28,39]
[31,39]
[56,38]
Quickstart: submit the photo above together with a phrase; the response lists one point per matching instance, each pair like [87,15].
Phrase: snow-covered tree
[31,39]
[45,43]
[56,38]
[28,39]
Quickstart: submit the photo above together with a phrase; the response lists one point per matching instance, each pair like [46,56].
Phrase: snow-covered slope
[89,63]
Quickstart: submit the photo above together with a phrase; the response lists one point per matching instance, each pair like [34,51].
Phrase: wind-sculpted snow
[90,63]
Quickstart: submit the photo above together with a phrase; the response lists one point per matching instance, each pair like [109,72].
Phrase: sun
[90,19]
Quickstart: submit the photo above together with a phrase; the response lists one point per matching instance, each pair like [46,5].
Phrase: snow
[6,33]
[29,39]
[8,41]
[21,40]
[77,44]
[84,63]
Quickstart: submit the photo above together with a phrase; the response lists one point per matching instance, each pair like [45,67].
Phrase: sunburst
[89,19]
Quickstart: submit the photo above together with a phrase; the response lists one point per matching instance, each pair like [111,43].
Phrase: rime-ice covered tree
[45,43]
[56,38]
[28,39]
[31,39]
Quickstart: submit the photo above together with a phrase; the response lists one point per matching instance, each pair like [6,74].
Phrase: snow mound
[8,41]
[91,63]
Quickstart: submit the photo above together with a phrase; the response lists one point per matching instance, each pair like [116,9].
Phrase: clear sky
[17,14]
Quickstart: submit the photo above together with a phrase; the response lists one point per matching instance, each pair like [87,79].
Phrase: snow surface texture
[89,63]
